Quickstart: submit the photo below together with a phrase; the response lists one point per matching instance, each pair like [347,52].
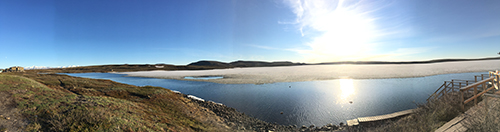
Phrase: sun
[345,32]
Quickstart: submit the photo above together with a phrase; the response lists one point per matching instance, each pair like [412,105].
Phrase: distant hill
[210,63]
[404,62]
[217,64]
[240,63]
[207,65]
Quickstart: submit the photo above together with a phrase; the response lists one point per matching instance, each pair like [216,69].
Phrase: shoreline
[263,75]
[241,122]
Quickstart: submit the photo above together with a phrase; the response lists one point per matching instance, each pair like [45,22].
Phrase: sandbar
[261,75]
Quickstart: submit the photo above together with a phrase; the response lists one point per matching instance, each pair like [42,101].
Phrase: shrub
[427,117]
[78,120]
[484,120]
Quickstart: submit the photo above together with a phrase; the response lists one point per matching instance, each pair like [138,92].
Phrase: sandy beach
[260,75]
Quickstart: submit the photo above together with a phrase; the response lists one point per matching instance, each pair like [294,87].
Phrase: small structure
[15,69]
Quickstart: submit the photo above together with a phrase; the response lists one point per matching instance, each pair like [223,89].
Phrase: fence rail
[486,85]
[450,86]
[464,86]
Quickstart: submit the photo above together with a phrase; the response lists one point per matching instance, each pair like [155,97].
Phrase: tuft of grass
[33,127]
[79,119]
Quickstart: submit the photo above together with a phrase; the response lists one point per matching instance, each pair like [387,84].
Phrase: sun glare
[347,88]
[347,31]
[346,35]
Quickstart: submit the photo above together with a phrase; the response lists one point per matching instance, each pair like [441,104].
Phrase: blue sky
[96,32]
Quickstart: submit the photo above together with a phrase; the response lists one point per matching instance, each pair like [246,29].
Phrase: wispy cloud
[340,30]
[262,47]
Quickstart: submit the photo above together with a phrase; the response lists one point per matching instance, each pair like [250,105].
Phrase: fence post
[498,81]
[475,93]
[462,102]
[484,87]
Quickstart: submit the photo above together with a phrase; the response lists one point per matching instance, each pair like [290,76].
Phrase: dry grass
[54,102]
[485,120]
[428,117]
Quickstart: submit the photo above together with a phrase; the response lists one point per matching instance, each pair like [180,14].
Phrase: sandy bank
[258,75]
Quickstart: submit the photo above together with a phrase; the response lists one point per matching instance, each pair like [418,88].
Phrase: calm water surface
[306,103]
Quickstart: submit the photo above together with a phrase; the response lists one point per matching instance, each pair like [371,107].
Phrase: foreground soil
[52,102]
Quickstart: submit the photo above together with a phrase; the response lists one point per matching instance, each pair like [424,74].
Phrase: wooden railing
[492,81]
[455,85]
[449,86]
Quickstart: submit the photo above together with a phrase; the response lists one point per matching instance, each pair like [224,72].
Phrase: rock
[324,128]
[329,125]
[303,126]
[294,126]
[341,124]
[281,112]
[335,127]
[311,126]
[8,118]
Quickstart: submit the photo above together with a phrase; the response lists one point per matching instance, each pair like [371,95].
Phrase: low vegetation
[52,102]
[486,120]
[428,117]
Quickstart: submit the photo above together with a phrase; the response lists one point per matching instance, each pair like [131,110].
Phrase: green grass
[62,103]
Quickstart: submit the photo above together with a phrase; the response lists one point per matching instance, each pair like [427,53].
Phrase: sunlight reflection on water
[347,88]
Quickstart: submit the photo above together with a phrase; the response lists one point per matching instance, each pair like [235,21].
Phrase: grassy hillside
[50,102]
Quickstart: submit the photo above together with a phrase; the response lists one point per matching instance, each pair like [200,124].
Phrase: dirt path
[10,118]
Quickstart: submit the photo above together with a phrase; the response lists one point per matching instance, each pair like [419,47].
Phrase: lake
[309,102]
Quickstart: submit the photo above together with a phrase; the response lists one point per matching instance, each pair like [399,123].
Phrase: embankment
[52,102]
